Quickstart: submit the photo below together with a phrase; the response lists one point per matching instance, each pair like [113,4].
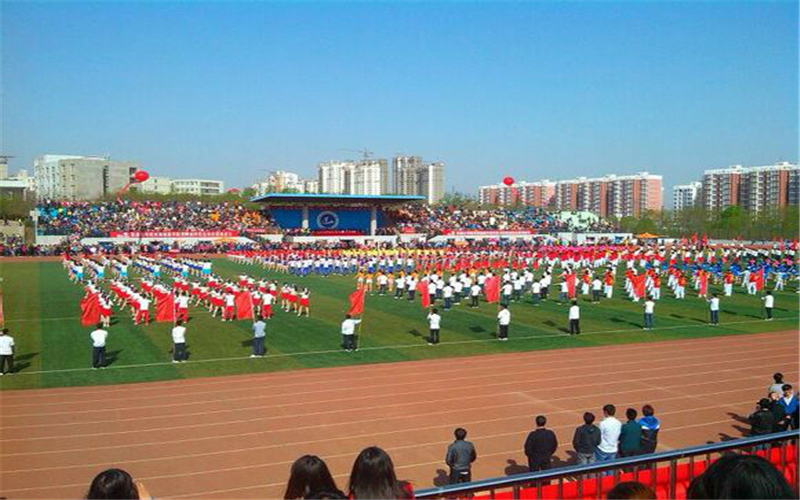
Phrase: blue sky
[533,90]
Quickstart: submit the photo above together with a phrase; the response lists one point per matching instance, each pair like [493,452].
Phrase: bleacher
[668,473]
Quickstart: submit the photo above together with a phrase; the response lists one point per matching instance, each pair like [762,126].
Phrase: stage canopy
[332,213]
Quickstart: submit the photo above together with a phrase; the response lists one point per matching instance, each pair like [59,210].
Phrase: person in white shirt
[474,295]
[597,285]
[6,352]
[503,320]
[713,308]
[98,336]
[447,295]
[610,429]
[183,306]
[383,283]
[769,303]
[143,311]
[348,333]
[536,290]
[505,297]
[649,310]
[574,318]
[179,353]
[400,287]
[434,322]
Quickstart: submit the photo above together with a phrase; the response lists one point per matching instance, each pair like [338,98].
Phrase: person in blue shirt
[650,427]
[790,405]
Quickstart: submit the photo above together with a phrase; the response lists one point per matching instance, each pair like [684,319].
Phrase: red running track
[236,437]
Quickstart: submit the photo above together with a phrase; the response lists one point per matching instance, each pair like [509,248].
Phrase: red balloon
[141,176]
[508,180]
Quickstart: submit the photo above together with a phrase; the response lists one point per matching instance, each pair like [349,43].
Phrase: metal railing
[637,464]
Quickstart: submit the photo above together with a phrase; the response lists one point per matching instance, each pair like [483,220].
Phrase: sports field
[53,349]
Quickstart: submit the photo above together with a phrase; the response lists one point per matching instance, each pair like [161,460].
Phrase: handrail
[599,467]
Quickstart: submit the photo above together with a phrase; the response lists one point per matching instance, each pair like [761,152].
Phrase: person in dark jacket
[650,428]
[460,455]
[586,439]
[778,413]
[762,421]
[630,436]
[540,446]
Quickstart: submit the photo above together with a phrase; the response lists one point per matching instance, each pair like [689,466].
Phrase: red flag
[703,284]
[760,279]
[165,308]
[356,302]
[90,310]
[638,285]
[422,288]
[571,285]
[492,289]
[244,305]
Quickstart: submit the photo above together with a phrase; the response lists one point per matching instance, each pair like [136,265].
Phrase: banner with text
[174,234]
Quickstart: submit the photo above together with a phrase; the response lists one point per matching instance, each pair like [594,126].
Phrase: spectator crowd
[99,219]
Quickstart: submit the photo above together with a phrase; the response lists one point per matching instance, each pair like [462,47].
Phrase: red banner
[165,308]
[488,232]
[335,232]
[174,234]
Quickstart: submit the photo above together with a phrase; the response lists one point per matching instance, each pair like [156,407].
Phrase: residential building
[156,185]
[310,186]
[754,188]
[536,194]
[333,176]
[686,195]
[198,187]
[406,173]
[620,196]
[369,176]
[415,178]
[69,177]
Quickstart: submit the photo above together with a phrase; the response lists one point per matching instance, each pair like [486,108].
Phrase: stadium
[201,425]
[398,250]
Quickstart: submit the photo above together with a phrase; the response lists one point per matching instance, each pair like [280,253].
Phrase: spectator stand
[668,473]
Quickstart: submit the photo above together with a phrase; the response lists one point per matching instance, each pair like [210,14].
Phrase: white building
[69,177]
[310,186]
[198,187]
[686,195]
[369,177]
[156,185]
[332,176]
[415,178]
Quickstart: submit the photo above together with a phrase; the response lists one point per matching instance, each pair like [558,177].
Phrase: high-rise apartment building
[415,178]
[620,196]
[754,188]
[334,176]
[537,194]
[686,195]
[68,177]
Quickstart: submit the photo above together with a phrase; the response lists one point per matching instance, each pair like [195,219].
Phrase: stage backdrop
[322,219]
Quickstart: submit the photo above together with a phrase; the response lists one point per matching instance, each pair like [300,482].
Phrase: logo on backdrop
[327,220]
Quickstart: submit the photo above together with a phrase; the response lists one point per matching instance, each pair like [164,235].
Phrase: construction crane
[366,152]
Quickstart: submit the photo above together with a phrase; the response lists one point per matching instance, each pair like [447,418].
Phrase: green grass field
[53,349]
